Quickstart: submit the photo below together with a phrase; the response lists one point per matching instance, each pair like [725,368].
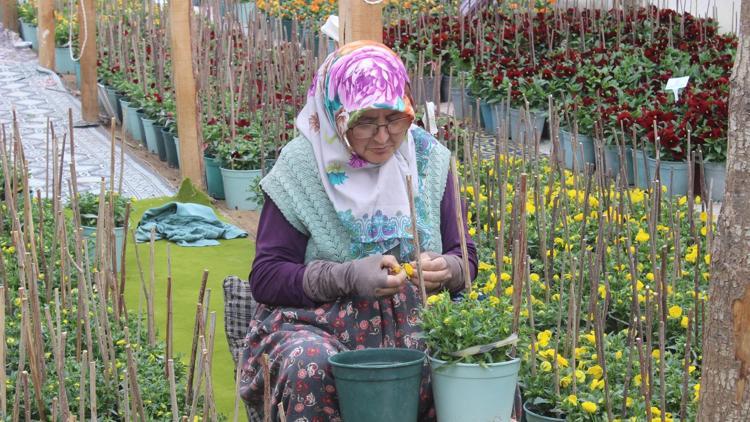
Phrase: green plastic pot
[672,174]
[112,98]
[89,235]
[63,62]
[161,147]
[518,128]
[125,107]
[238,189]
[139,127]
[535,417]
[715,176]
[77,69]
[134,123]
[150,134]
[214,182]
[584,151]
[177,149]
[379,384]
[170,148]
[466,392]
[640,170]
[613,160]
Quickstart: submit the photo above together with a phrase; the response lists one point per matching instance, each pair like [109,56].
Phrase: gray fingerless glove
[325,281]
[456,268]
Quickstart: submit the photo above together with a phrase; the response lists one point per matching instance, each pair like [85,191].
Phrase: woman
[336,222]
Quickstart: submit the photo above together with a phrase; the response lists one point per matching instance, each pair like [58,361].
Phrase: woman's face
[378,134]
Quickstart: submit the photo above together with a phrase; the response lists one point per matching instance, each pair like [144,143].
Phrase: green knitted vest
[295,187]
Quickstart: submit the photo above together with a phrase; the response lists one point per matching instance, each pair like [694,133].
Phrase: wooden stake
[460,223]
[415,233]
[172,391]
[46,33]
[196,332]
[185,92]
[3,387]
[359,20]
[88,58]
[10,20]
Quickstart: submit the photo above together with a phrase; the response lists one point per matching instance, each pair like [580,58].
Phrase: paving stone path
[37,95]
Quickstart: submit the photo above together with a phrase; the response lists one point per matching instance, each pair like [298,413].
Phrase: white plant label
[429,118]
[676,84]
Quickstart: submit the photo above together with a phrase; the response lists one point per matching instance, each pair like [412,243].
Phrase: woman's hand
[393,282]
[325,281]
[435,271]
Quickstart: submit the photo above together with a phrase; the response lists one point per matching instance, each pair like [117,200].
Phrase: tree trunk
[725,393]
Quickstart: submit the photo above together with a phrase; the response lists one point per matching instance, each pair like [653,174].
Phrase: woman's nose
[382,135]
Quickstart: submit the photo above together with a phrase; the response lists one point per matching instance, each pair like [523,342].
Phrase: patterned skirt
[299,341]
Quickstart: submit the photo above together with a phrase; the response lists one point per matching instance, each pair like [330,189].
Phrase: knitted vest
[295,187]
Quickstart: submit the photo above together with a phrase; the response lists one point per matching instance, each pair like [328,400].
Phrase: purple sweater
[279,265]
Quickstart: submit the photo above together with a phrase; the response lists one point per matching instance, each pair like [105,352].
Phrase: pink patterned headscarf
[370,199]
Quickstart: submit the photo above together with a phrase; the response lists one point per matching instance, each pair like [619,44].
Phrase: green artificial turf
[232,257]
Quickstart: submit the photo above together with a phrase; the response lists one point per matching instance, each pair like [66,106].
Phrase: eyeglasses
[368,130]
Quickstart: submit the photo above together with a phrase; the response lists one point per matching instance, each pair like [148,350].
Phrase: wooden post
[191,162]
[359,20]
[10,15]
[46,33]
[87,41]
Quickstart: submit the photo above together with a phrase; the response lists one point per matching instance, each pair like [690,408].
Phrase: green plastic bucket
[715,176]
[177,149]
[643,175]
[134,123]
[672,174]
[214,183]
[532,416]
[139,126]
[584,151]
[125,107]
[238,189]
[467,392]
[379,384]
[170,148]
[150,133]
[89,235]
[63,62]
[77,68]
[613,160]
[161,148]
[518,127]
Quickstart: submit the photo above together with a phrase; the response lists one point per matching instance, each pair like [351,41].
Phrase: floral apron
[299,341]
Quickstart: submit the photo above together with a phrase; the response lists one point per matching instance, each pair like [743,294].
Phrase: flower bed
[609,301]
[608,68]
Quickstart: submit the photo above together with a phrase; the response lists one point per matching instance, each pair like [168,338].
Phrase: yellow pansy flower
[675,312]
[589,407]
[572,399]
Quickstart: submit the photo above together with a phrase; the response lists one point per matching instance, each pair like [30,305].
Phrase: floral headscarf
[370,199]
